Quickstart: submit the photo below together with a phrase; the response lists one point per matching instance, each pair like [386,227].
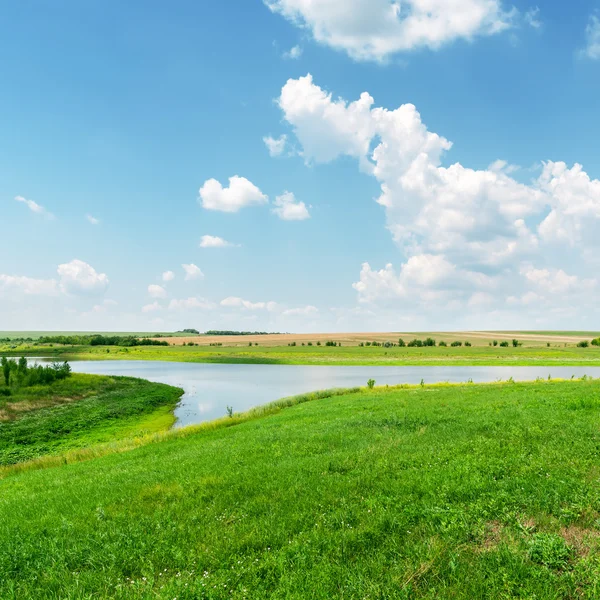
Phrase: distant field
[34,335]
[529,338]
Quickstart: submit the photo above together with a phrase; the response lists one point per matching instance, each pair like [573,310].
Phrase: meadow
[471,491]
[482,354]
[78,412]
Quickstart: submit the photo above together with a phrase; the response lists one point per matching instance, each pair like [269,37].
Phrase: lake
[210,388]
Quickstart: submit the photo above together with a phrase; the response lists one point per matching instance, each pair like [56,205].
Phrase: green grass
[34,335]
[78,412]
[472,491]
[321,355]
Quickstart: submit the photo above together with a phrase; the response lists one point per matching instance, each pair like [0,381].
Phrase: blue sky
[117,115]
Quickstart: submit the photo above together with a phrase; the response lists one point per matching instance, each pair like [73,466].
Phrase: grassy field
[78,412]
[473,491]
[34,335]
[322,355]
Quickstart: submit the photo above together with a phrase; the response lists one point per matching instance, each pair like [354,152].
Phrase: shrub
[415,344]
[368,344]
[468,344]
[318,343]
[371,384]
[401,343]
[456,344]
[361,345]
[310,343]
[495,342]
[442,344]
[584,344]
[388,345]
[515,343]
[504,344]
[230,412]
[429,342]
[596,342]
[5,392]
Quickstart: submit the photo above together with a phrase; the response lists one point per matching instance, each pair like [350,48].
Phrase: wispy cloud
[92,220]
[34,207]
[592,38]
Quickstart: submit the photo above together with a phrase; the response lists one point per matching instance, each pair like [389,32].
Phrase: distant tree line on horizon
[127,341]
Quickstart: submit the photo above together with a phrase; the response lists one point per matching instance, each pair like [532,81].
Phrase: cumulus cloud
[377,29]
[240,193]
[234,302]
[276,146]
[293,53]
[92,220]
[465,232]
[149,308]
[192,272]
[213,241]
[592,38]
[288,208]
[168,276]
[157,291]
[34,207]
[79,278]
[191,304]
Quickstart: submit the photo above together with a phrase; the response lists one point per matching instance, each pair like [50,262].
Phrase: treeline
[127,341]
[20,374]
[219,332]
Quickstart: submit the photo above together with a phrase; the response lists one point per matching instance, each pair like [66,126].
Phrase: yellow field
[479,338]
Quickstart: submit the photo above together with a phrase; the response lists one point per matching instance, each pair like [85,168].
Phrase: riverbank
[79,412]
[555,355]
[415,492]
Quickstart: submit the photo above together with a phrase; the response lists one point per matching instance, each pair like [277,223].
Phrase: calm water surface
[210,388]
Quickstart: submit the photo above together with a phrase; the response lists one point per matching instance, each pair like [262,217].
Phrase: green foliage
[191,331]
[100,340]
[468,344]
[371,384]
[583,344]
[596,342]
[230,412]
[504,344]
[495,343]
[329,343]
[442,344]
[415,344]
[515,343]
[219,332]
[549,550]
[401,343]
[456,344]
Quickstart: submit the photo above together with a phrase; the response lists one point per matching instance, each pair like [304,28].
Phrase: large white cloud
[468,235]
[192,272]
[376,29]
[79,278]
[28,285]
[240,193]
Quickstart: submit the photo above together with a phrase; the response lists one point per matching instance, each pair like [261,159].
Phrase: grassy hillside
[78,412]
[438,492]
[323,355]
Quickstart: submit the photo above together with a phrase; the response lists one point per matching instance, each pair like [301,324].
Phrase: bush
[371,384]
[331,343]
[401,343]
[504,344]
[495,342]
[456,344]
[310,343]
[596,342]
[318,343]
[442,344]
[584,344]
[515,343]
[5,392]
[415,344]
[468,344]
[429,342]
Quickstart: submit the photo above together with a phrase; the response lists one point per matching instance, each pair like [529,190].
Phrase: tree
[6,370]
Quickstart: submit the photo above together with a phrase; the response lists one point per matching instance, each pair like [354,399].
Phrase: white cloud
[276,146]
[154,307]
[463,231]
[234,302]
[377,29]
[532,18]
[293,53]
[306,311]
[79,278]
[168,276]
[239,194]
[29,285]
[34,207]
[290,209]
[592,38]
[156,291]
[191,304]
[213,241]
[192,272]
[92,220]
